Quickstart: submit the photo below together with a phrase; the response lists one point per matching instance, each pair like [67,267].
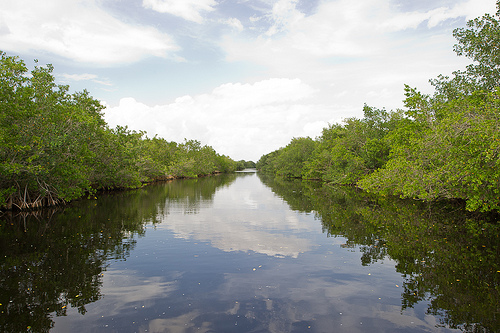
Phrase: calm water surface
[244,253]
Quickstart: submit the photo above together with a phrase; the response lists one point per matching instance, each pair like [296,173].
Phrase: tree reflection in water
[55,259]
[447,256]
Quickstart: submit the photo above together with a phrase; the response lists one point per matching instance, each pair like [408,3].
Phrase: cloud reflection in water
[241,220]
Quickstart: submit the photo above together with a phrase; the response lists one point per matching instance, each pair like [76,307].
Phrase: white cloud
[341,28]
[187,9]
[344,52]
[79,77]
[283,15]
[78,30]
[232,22]
[344,28]
[468,9]
[84,77]
[243,121]
[356,52]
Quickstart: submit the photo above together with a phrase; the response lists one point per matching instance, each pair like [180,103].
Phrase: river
[249,253]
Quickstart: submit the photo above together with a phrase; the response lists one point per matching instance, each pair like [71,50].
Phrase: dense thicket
[445,145]
[55,146]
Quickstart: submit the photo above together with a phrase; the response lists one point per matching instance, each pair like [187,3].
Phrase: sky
[242,76]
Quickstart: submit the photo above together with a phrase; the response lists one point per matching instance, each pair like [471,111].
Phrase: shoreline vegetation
[441,146]
[55,146]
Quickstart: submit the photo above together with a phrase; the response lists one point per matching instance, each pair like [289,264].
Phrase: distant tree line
[55,146]
[441,146]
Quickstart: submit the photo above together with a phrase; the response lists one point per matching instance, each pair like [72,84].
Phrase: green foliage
[117,159]
[288,162]
[457,156]
[480,42]
[193,160]
[444,146]
[267,163]
[225,164]
[321,160]
[242,164]
[55,146]
[342,154]
[449,145]
[44,144]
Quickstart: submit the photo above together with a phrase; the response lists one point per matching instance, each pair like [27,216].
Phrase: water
[246,253]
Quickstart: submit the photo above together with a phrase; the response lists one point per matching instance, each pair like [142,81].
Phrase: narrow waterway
[246,253]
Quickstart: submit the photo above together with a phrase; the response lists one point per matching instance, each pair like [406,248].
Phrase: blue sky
[243,76]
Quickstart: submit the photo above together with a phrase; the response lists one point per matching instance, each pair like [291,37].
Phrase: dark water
[246,253]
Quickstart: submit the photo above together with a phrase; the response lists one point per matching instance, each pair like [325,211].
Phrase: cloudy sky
[243,76]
